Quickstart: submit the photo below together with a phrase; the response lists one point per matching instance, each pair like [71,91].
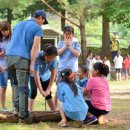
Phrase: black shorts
[45,86]
[33,88]
[118,70]
[96,112]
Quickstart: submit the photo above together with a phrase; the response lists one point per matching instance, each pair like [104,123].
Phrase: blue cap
[41,13]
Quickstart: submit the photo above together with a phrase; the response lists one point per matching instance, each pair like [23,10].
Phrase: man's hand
[31,69]
[2,69]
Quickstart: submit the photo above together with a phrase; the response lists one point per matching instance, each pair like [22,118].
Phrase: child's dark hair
[5,25]
[84,69]
[65,78]
[102,68]
[50,50]
[68,29]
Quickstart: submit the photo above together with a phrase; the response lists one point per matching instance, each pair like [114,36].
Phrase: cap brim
[46,22]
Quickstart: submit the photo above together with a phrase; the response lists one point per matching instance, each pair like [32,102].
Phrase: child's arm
[38,83]
[52,79]
[60,93]
[85,92]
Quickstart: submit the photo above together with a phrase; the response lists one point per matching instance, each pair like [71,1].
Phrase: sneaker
[4,110]
[16,113]
[90,120]
[27,120]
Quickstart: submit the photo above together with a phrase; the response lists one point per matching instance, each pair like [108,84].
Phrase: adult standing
[20,57]
[115,47]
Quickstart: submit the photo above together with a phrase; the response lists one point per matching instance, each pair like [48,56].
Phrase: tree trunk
[62,20]
[9,15]
[83,36]
[105,37]
[38,116]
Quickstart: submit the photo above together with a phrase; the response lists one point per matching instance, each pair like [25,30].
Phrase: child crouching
[70,99]
[98,88]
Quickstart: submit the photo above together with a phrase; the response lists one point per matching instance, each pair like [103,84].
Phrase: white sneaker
[4,110]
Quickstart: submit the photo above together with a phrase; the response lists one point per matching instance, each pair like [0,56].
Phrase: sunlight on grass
[120,94]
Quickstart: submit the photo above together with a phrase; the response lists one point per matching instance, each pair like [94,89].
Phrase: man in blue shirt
[20,58]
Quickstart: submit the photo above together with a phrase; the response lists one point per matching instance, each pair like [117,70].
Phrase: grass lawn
[119,117]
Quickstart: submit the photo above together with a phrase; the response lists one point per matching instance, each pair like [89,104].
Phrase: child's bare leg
[116,76]
[55,101]
[51,104]
[102,119]
[119,76]
[64,120]
[31,104]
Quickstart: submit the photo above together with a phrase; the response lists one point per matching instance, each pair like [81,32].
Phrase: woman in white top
[118,60]
[107,62]
[89,64]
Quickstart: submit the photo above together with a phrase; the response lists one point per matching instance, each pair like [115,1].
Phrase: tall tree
[78,10]
[9,8]
[117,11]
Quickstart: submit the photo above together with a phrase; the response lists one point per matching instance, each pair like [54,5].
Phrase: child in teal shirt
[70,99]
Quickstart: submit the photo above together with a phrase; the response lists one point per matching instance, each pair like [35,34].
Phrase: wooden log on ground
[38,116]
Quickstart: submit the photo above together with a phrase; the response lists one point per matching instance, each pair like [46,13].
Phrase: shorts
[118,70]
[33,88]
[96,112]
[45,86]
[126,71]
[3,79]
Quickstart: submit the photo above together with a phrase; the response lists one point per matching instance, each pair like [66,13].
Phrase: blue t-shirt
[44,67]
[74,106]
[3,47]
[67,59]
[23,37]
[83,82]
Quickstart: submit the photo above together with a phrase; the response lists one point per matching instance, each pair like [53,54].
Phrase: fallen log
[38,116]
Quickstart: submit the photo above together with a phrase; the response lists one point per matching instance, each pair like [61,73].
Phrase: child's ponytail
[65,74]
[102,68]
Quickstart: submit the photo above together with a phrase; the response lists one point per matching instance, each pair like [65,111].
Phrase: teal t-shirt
[67,59]
[23,37]
[74,106]
[44,67]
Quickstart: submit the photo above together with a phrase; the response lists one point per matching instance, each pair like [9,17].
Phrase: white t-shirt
[107,62]
[118,62]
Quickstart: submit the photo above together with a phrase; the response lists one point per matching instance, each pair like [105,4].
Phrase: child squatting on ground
[98,88]
[70,99]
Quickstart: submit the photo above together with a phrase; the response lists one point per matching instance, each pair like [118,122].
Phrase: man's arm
[2,53]
[34,51]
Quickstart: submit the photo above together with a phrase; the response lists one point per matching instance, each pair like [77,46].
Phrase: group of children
[79,98]
[119,63]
